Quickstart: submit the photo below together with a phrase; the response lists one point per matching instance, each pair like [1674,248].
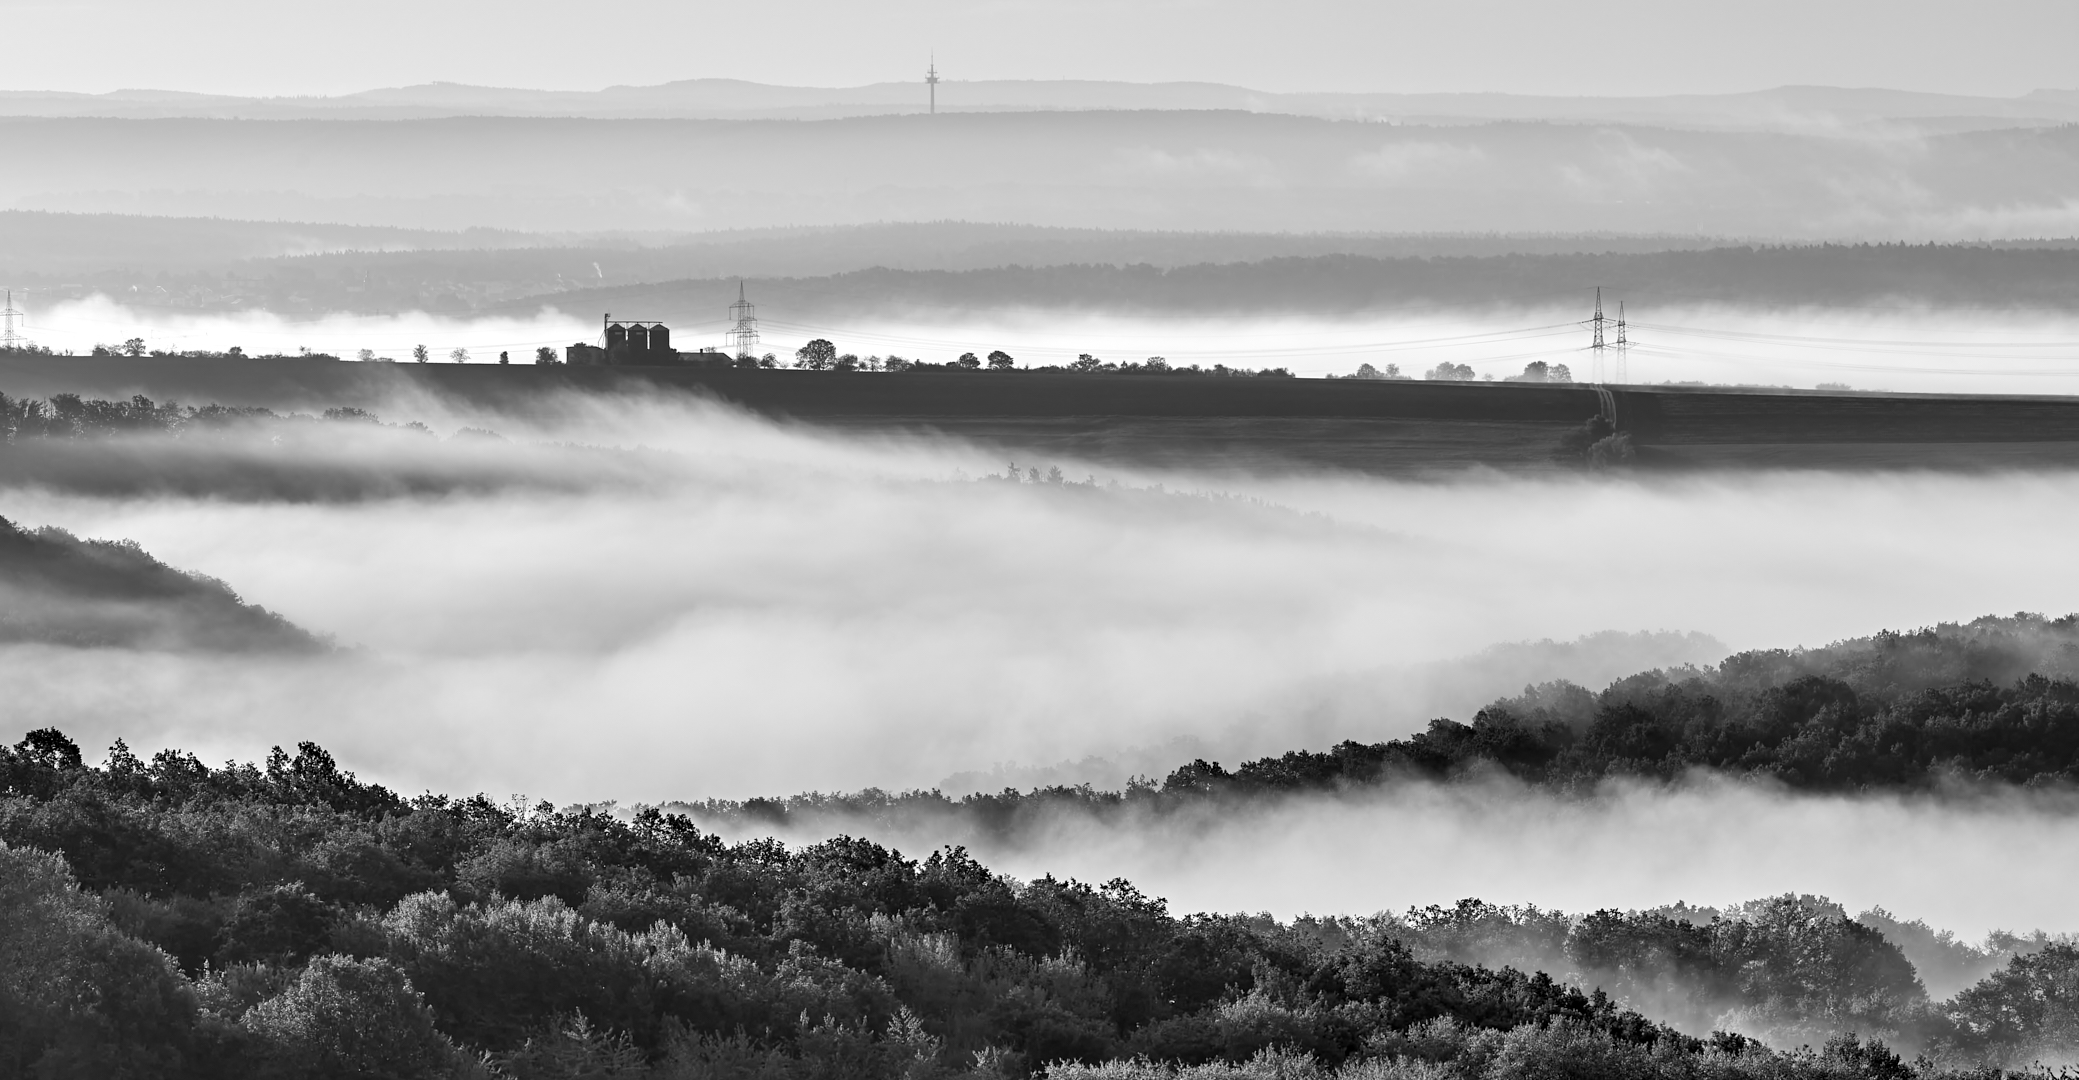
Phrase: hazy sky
[2002,47]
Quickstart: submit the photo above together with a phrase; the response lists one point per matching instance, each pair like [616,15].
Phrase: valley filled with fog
[651,600]
[1076,579]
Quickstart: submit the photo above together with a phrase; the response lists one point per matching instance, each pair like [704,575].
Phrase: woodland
[287,919]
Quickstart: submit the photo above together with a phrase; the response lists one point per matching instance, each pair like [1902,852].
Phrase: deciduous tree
[817,355]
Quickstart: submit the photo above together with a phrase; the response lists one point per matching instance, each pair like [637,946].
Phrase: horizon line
[1206,83]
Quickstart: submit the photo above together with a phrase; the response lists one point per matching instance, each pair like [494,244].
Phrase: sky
[1622,47]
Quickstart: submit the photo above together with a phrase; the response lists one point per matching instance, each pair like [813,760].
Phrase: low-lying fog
[1908,349]
[1969,862]
[750,609]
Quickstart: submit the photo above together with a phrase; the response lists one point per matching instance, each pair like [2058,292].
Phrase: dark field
[1179,421]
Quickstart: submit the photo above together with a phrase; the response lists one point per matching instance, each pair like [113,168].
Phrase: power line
[1888,369]
[1801,341]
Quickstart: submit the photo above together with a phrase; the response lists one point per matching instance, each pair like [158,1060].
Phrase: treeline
[135,348]
[1994,700]
[71,416]
[821,354]
[168,919]
[141,448]
[1775,967]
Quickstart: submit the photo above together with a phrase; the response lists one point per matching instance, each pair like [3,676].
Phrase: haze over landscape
[653,542]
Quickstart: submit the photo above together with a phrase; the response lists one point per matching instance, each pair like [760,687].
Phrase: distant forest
[172,919]
[682,285]
[42,243]
[1829,275]
[1995,700]
[287,919]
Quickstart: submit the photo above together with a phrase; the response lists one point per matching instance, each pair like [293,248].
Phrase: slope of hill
[60,590]
[71,247]
[1858,276]
[1785,108]
[64,246]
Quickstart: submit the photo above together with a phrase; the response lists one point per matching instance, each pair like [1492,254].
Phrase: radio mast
[931,80]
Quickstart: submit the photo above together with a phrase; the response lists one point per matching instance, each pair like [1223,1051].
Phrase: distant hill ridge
[1785,107]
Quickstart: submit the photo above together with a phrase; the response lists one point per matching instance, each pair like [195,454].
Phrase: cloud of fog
[1430,162]
[1389,697]
[1909,349]
[76,326]
[746,608]
[778,610]
[1969,862]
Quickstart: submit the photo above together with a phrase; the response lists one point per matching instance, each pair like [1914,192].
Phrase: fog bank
[2007,859]
[1906,347]
[777,609]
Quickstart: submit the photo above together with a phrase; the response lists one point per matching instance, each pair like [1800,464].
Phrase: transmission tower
[931,80]
[743,333]
[1596,346]
[1623,349]
[10,338]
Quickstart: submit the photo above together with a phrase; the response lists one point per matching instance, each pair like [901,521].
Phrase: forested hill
[1993,700]
[58,589]
[1823,275]
[166,919]
[808,278]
